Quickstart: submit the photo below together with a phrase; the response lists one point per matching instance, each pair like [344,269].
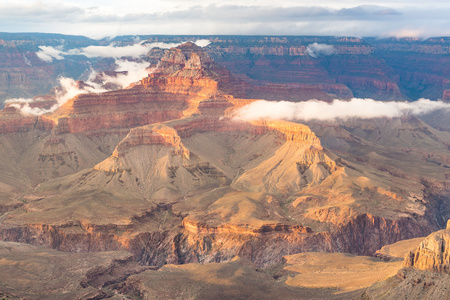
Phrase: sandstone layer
[205,189]
[278,67]
[433,254]
[162,170]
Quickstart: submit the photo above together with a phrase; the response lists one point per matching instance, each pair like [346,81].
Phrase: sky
[101,18]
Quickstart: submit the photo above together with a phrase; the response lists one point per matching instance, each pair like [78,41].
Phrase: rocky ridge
[279,67]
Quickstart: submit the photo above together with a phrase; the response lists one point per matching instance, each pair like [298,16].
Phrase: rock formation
[164,171]
[32,272]
[425,273]
[279,68]
[251,184]
[433,254]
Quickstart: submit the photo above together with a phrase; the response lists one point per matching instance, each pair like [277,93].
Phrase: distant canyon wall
[382,69]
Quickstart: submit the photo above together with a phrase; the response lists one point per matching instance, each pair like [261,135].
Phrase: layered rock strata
[211,205]
[204,187]
[433,254]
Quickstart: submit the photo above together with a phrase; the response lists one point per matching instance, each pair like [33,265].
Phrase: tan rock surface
[343,271]
[237,279]
[433,253]
[425,274]
[199,187]
[399,249]
[411,284]
[30,272]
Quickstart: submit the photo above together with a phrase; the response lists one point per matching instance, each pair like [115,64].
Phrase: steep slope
[85,130]
[409,152]
[31,152]
[433,254]
[204,189]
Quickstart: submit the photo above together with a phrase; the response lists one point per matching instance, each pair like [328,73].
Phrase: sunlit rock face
[433,253]
[163,170]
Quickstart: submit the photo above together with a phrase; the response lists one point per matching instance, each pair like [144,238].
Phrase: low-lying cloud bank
[48,53]
[337,110]
[315,50]
[127,72]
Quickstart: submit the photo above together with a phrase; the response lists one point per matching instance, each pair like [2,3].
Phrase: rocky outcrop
[424,275]
[362,236]
[202,244]
[162,134]
[185,77]
[433,254]
[201,228]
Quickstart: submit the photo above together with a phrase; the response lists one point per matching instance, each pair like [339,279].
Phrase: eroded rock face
[425,272]
[376,68]
[185,77]
[204,187]
[433,254]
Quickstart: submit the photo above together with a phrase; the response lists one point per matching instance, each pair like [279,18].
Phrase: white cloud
[132,72]
[23,105]
[69,88]
[141,48]
[27,110]
[202,43]
[338,109]
[114,51]
[128,72]
[48,53]
[19,100]
[315,50]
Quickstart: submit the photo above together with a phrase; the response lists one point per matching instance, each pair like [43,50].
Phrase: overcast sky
[100,18]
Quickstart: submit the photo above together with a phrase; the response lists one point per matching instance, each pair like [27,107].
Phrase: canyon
[160,184]
[280,67]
